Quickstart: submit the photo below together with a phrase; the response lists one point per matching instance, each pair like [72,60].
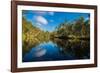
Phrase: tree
[83,31]
[77,26]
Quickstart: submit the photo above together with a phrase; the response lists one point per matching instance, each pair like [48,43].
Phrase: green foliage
[75,29]
[31,35]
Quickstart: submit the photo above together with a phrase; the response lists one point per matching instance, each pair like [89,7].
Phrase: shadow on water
[56,49]
[80,49]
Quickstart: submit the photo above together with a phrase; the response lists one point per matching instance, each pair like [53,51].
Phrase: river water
[56,50]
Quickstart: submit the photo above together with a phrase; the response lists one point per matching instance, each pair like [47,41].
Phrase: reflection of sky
[47,21]
[51,53]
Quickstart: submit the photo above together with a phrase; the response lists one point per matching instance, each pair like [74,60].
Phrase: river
[57,49]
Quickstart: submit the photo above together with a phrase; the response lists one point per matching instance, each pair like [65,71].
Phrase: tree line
[32,35]
[79,28]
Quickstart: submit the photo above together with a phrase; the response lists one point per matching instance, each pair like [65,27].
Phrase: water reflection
[79,49]
[58,49]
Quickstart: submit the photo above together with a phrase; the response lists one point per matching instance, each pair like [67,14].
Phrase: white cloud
[38,23]
[87,18]
[40,12]
[41,20]
[44,13]
[51,13]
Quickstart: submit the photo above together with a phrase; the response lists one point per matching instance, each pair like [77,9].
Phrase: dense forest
[76,30]
[31,35]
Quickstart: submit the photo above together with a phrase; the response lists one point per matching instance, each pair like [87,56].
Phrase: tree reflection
[79,49]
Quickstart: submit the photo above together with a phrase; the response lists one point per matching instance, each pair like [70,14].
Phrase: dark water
[58,50]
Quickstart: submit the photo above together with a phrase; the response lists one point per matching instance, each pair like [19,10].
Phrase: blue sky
[48,21]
